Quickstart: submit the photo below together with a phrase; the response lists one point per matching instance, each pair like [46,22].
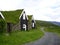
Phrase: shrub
[2,25]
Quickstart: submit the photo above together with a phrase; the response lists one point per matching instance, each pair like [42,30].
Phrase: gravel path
[48,39]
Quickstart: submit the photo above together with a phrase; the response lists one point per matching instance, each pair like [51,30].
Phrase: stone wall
[29,25]
[16,26]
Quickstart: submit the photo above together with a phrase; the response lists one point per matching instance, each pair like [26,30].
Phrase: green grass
[49,27]
[20,37]
[54,29]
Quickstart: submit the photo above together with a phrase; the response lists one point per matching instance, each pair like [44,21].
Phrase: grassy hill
[44,23]
[49,27]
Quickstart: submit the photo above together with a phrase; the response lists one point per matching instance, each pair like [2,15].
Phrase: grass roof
[29,17]
[12,16]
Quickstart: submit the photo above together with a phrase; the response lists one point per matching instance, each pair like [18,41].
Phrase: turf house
[17,20]
[31,22]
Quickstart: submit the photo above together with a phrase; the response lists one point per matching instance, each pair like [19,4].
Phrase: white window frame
[32,24]
[24,26]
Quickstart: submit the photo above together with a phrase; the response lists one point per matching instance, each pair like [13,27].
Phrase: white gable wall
[23,15]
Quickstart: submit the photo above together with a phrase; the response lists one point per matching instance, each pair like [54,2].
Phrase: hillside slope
[44,23]
[48,26]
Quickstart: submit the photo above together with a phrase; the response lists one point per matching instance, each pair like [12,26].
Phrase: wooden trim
[2,15]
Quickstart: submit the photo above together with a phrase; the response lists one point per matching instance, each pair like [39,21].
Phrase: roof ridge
[11,10]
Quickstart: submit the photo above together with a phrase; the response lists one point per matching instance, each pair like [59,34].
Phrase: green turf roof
[29,17]
[12,16]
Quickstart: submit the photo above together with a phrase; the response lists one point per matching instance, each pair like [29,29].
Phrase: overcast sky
[48,10]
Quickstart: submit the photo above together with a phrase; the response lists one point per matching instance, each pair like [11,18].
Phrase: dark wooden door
[9,27]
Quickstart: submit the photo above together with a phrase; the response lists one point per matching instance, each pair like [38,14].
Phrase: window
[24,27]
[32,24]
[24,16]
[24,11]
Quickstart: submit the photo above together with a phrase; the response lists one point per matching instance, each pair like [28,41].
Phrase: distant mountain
[56,23]
[40,23]
[47,23]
